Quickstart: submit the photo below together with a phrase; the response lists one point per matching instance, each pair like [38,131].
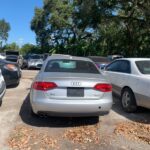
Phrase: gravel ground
[21,131]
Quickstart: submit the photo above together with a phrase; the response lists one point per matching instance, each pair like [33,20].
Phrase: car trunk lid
[73,85]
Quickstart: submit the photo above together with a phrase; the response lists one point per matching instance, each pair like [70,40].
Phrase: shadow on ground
[142,115]
[12,86]
[25,114]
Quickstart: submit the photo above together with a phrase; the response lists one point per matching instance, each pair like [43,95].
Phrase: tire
[128,101]
[28,68]
[17,84]
[0,103]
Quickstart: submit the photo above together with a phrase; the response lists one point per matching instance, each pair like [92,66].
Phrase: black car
[11,72]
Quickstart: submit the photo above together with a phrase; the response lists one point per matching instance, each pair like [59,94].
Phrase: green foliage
[4,29]
[29,48]
[37,24]
[12,46]
[93,27]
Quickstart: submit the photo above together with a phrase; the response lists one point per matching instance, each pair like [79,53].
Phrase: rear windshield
[143,66]
[71,66]
[12,58]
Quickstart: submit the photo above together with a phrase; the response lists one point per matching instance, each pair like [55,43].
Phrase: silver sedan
[70,86]
[35,61]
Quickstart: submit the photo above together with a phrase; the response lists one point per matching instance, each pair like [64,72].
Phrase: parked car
[35,61]
[114,57]
[101,62]
[25,62]
[14,56]
[11,72]
[101,66]
[70,86]
[130,78]
[2,87]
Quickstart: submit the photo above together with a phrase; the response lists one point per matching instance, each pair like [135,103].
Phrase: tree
[94,27]
[29,48]
[37,25]
[49,25]
[4,29]
[12,46]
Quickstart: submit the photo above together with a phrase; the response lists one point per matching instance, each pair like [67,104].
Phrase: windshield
[71,66]
[35,57]
[143,66]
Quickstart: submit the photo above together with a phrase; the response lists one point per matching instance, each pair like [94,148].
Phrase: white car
[130,78]
[35,61]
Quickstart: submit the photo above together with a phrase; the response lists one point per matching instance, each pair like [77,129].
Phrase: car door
[2,85]
[117,73]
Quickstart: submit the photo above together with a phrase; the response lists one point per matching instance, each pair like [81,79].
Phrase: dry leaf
[134,131]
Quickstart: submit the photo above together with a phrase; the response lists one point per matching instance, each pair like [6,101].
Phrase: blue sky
[19,14]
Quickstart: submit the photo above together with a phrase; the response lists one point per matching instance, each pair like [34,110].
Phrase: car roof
[60,56]
[99,59]
[134,59]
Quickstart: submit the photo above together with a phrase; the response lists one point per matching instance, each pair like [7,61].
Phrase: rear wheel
[128,100]
[16,84]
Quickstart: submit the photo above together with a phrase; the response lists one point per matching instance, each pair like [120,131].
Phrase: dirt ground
[19,130]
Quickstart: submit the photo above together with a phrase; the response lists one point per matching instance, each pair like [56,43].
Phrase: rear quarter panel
[139,85]
[142,91]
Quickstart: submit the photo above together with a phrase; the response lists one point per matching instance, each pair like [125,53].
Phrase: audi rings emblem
[76,83]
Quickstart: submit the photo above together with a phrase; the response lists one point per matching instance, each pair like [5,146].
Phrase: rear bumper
[71,108]
[67,114]
[12,82]
[12,78]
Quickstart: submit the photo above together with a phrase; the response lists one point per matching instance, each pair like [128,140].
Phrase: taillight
[44,86]
[10,67]
[103,87]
